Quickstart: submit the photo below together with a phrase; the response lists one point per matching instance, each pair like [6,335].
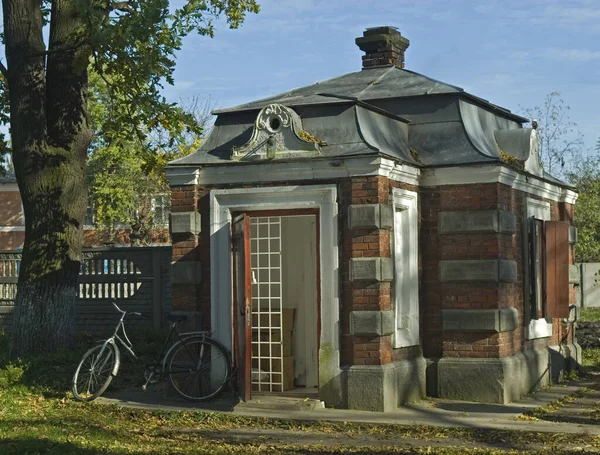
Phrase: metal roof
[367,85]
[347,128]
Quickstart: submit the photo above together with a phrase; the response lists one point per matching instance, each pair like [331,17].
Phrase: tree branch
[4,70]
[124,7]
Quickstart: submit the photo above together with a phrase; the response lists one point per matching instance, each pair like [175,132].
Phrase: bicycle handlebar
[133,313]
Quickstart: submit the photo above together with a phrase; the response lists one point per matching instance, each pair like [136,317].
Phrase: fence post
[156,287]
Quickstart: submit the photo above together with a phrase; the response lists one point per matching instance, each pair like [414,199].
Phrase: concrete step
[279,403]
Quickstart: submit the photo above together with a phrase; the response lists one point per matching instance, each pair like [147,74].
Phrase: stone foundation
[385,387]
[565,357]
[500,380]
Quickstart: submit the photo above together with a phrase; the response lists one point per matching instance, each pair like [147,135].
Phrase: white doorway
[285,307]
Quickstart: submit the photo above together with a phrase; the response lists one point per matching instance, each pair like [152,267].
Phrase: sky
[512,53]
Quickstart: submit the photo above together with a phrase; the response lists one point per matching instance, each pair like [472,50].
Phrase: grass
[39,415]
[591,359]
[589,315]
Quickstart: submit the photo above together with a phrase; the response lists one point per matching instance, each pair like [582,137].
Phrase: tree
[125,172]
[131,45]
[585,176]
[559,142]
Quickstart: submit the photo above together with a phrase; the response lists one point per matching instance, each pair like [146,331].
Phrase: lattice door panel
[267,336]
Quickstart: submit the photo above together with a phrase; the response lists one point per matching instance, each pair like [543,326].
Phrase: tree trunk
[50,137]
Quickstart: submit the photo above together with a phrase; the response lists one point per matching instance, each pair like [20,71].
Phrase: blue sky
[511,53]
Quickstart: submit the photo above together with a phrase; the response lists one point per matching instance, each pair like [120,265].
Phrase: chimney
[383,46]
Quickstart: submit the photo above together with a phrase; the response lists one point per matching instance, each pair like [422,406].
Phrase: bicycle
[198,367]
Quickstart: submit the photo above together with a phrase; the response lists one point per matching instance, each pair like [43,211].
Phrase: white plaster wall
[300,292]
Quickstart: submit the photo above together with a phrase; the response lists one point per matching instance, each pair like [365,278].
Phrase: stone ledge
[493,380]
[186,272]
[498,221]
[185,223]
[370,216]
[478,320]
[372,323]
[496,270]
[371,269]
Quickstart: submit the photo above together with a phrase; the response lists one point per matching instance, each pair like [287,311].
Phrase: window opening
[405,287]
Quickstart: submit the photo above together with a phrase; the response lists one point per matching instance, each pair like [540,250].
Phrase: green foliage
[585,176]
[126,174]
[133,48]
[137,131]
[133,53]
[589,315]
[591,359]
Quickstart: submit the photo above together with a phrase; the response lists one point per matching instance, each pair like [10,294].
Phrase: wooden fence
[137,278]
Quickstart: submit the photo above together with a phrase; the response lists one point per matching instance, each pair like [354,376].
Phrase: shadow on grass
[50,374]
[20,446]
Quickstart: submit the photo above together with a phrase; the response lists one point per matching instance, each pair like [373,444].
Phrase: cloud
[183,85]
[575,55]
[560,15]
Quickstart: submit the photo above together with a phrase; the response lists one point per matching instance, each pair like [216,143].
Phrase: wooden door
[242,303]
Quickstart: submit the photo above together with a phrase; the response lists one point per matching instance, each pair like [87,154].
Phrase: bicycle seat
[176,317]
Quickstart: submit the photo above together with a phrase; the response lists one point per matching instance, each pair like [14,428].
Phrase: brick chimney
[383,46]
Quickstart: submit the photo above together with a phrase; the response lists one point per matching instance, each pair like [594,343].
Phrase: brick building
[393,237]
[12,220]
[12,223]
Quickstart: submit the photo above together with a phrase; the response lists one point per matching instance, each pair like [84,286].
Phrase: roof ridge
[456,87]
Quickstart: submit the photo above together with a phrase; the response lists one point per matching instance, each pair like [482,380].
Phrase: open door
[242,303]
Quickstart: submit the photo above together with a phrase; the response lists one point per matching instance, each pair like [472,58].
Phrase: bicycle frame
[126,343]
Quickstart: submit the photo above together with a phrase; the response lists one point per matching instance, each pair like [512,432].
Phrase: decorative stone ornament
[277,133]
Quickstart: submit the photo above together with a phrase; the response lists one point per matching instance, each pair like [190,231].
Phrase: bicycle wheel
[198,368]
[95,372]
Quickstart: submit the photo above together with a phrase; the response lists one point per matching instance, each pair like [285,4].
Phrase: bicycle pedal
[144,388]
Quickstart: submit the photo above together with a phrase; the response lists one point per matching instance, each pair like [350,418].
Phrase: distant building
[12,220]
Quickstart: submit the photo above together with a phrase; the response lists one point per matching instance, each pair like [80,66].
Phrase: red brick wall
[186,248]
[10,216]
[436,296]
[10,209]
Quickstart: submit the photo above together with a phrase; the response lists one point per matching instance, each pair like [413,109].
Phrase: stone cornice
[497,174]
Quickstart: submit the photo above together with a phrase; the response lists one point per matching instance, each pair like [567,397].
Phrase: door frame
[223,203]
[299,212]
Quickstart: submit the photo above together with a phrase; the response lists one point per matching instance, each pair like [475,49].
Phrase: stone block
[185,223]
[370,216]
[496,270]
[186,272]
[493,380]
[507,270]
[573,274]
[509,319]
[507,222]
[384,387]
[480,320]
[372,323]
[371,269]
[388,322]
[477,221]
[572,234]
